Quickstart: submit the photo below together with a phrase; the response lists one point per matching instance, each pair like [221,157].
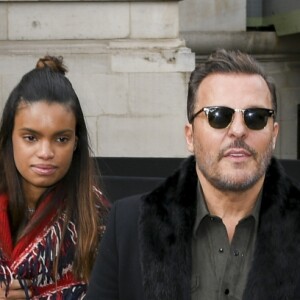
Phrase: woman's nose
[45,150]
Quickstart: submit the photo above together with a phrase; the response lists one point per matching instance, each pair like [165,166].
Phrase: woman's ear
[75,144]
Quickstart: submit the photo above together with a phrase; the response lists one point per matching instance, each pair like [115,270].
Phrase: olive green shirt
[220,268]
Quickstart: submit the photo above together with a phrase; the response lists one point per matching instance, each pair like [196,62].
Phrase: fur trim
[166,222]
[275,270]
[165,234]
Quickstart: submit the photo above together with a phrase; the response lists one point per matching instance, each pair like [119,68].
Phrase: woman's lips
[44,169]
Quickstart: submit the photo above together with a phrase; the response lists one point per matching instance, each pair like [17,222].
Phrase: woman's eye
[63,139]
[29,138]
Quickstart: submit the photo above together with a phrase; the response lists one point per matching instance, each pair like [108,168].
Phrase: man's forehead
[234,87]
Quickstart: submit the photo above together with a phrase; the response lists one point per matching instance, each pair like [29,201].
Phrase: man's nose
[237,127]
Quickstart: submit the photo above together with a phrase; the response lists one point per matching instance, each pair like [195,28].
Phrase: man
[226,225]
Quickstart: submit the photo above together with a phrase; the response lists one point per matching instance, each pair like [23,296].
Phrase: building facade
[130,61]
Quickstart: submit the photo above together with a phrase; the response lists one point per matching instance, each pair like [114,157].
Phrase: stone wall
[286,74]
[206,25]
[212,15]
[130,61]
[126,62]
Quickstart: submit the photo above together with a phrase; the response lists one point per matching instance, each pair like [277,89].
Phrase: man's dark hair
[223,61]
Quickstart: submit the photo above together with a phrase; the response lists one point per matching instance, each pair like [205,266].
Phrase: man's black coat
[145,253]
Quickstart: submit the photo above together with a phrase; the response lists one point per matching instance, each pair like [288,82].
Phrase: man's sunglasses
[221,116]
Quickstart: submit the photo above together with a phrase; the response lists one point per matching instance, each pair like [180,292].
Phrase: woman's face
[44,140]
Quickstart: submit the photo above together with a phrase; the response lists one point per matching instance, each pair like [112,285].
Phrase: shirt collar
[202,210]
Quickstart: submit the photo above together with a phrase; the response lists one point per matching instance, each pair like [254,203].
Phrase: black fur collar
[167,218]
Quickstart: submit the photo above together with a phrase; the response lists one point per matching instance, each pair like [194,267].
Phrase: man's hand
[15,291]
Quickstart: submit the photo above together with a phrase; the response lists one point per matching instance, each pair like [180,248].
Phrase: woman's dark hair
[222,62]
[47,82]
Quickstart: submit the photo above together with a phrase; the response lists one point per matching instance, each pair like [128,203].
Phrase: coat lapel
[166,222]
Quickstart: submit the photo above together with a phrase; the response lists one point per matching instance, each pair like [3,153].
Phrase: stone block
[1,94]
[212,15]
[154,20]
[273,67]
[67,20]
[8,83]
[91,124]
[288,139]
[17,65]
[12,69]
[102,93]
[292,79]
[146,44]
[279,80]
[158,136]
[159,60]
[81,63]
[289,99]
[3,21]
[153,94]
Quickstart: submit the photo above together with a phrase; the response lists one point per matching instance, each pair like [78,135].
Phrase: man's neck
[230,206]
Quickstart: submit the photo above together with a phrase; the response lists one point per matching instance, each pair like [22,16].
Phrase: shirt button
[236,252]
[221,250]
[226,292]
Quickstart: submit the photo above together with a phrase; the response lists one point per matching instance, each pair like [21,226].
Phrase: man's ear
[189,137]
[275,134]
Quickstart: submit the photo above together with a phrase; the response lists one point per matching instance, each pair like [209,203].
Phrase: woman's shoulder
[101,199]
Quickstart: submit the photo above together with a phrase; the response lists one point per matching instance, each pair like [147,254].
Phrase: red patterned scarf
[33,257]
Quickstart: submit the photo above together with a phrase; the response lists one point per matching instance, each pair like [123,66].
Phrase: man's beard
[227,183]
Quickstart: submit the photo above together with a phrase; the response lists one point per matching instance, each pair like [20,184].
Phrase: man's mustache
[238,144]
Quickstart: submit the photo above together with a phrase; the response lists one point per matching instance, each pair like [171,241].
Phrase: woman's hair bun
[55,63]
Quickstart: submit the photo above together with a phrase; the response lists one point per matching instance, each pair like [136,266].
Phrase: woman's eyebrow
[33,131]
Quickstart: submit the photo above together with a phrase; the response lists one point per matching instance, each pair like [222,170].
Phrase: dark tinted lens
[220,117]
[256,118]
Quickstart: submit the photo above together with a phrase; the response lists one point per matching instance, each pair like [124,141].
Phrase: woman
[51,210]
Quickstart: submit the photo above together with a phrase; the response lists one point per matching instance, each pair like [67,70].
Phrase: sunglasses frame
[208,109]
